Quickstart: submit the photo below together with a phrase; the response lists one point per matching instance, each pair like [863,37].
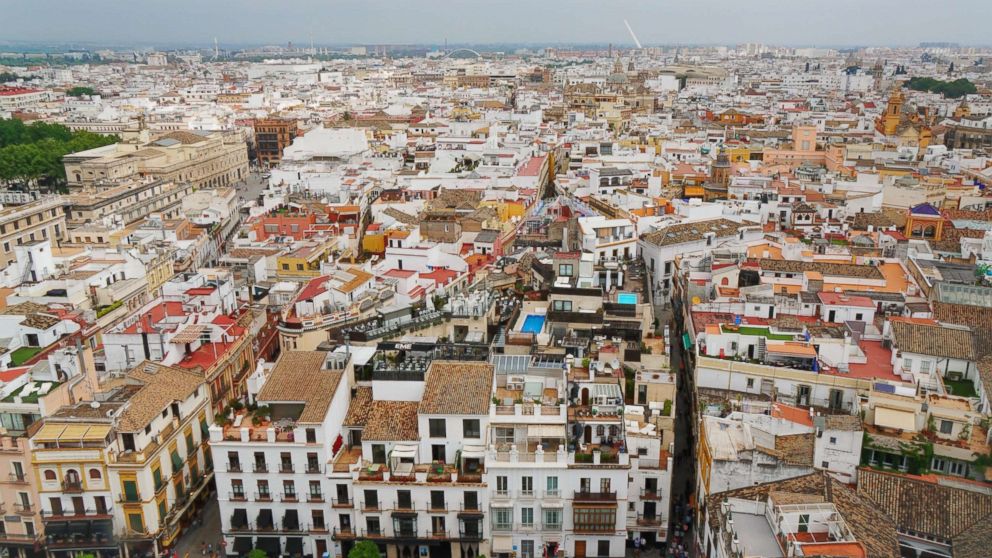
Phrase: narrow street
[684,459]
[208,531]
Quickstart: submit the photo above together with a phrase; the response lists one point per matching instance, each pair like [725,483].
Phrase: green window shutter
[157,475]
[177,462]
[131,492]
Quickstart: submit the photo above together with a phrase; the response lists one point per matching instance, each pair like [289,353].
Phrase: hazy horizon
[255,22]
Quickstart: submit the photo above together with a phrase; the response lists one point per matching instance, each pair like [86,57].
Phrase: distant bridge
[468,50]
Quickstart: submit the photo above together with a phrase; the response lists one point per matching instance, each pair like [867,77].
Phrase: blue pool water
[533,324]
[627,298]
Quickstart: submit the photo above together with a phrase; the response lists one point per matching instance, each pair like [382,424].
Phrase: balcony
[345,533]
[314,469]
[437,507]
[261,468]
[372,472]
[469,509]
[263,496]
[502,527]
[63,515]
[551,526]
[600,496]
[24,509]
[342,503]
[648,520]
[72,487]
[285,467]
[408,507]
[650,494]
[234,468]
[315,497]
[372,533]
[470,533]
[371,506]
[289,497]
[19,478]
[237,496]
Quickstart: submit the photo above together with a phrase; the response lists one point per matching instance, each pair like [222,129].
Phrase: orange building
[281,223]
[272,135]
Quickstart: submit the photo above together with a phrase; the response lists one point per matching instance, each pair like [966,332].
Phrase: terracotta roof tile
[358,409]
[392,421]
[457,388]
[933,340]
[300,376]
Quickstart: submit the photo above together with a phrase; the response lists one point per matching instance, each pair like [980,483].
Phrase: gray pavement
[208,532]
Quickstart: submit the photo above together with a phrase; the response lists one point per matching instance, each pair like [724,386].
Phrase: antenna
[632,35]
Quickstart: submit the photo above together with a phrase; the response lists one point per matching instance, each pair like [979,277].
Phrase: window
[562,306]
[237,488]
[437,428]
[803,523]
[598,520]
[750,383]
[50,475]
[503,435]
[565,270]
[263,489]
[378,453]
[825,465]
[552,518]
[527,517]
[833,440]
[135,522]
[946,426]
[372,526]
[527,485]
[603,548]
[289,489]
[471,500]
[502,519]
[552,485]
[502,485]
[526,549]
[907,364]
[470,428]
[131,491]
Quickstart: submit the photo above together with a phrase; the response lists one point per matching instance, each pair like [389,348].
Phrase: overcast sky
[786,22]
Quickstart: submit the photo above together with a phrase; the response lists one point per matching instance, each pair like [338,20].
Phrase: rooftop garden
[757,332]
[23,354]
[961,388]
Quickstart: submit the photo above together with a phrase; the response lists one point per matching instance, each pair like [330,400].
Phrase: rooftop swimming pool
[627,298]
[533,323]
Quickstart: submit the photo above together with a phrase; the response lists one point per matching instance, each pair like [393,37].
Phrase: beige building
[22,224]
[130,201]
[202,159]
[19,494]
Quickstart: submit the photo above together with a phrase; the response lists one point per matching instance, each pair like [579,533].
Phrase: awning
[893,418]
[404,451]
[242,545]
[474,452]
[97,433]
[686,341]
[545,431]
[269,544]
[502,543]
[294,546]
[50,432]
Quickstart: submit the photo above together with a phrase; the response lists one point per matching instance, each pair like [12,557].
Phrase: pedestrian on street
[637,546]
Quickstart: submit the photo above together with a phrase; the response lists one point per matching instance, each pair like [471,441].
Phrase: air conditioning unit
[515,383]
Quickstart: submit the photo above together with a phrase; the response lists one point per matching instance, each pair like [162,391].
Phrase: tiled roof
[358,409]
[392,421]
[457,388]
[933,340]
[925,507]
[795,449]
[401,216]
[825,268]
[300,376]
[160,386]
[870,526]
[974,542]
[688,232]
[978,318]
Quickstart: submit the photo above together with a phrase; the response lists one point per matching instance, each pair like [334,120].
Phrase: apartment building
[22,528]
[123,472]
[44,219]
[272,135]
[273,483]
[416,460]
[558,471]
[127,202]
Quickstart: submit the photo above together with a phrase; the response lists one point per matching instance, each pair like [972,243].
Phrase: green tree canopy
[33,153]
[79,91]
[257,553]
[950,89]
[364,549]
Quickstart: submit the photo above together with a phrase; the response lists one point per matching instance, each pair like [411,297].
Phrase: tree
[257,553]
[364,549]
[79,91]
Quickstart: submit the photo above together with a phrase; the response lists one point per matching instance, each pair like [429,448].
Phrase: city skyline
[848,23]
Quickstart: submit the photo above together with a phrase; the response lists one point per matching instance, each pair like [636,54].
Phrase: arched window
[95,474]
[50,475]
[600,430]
